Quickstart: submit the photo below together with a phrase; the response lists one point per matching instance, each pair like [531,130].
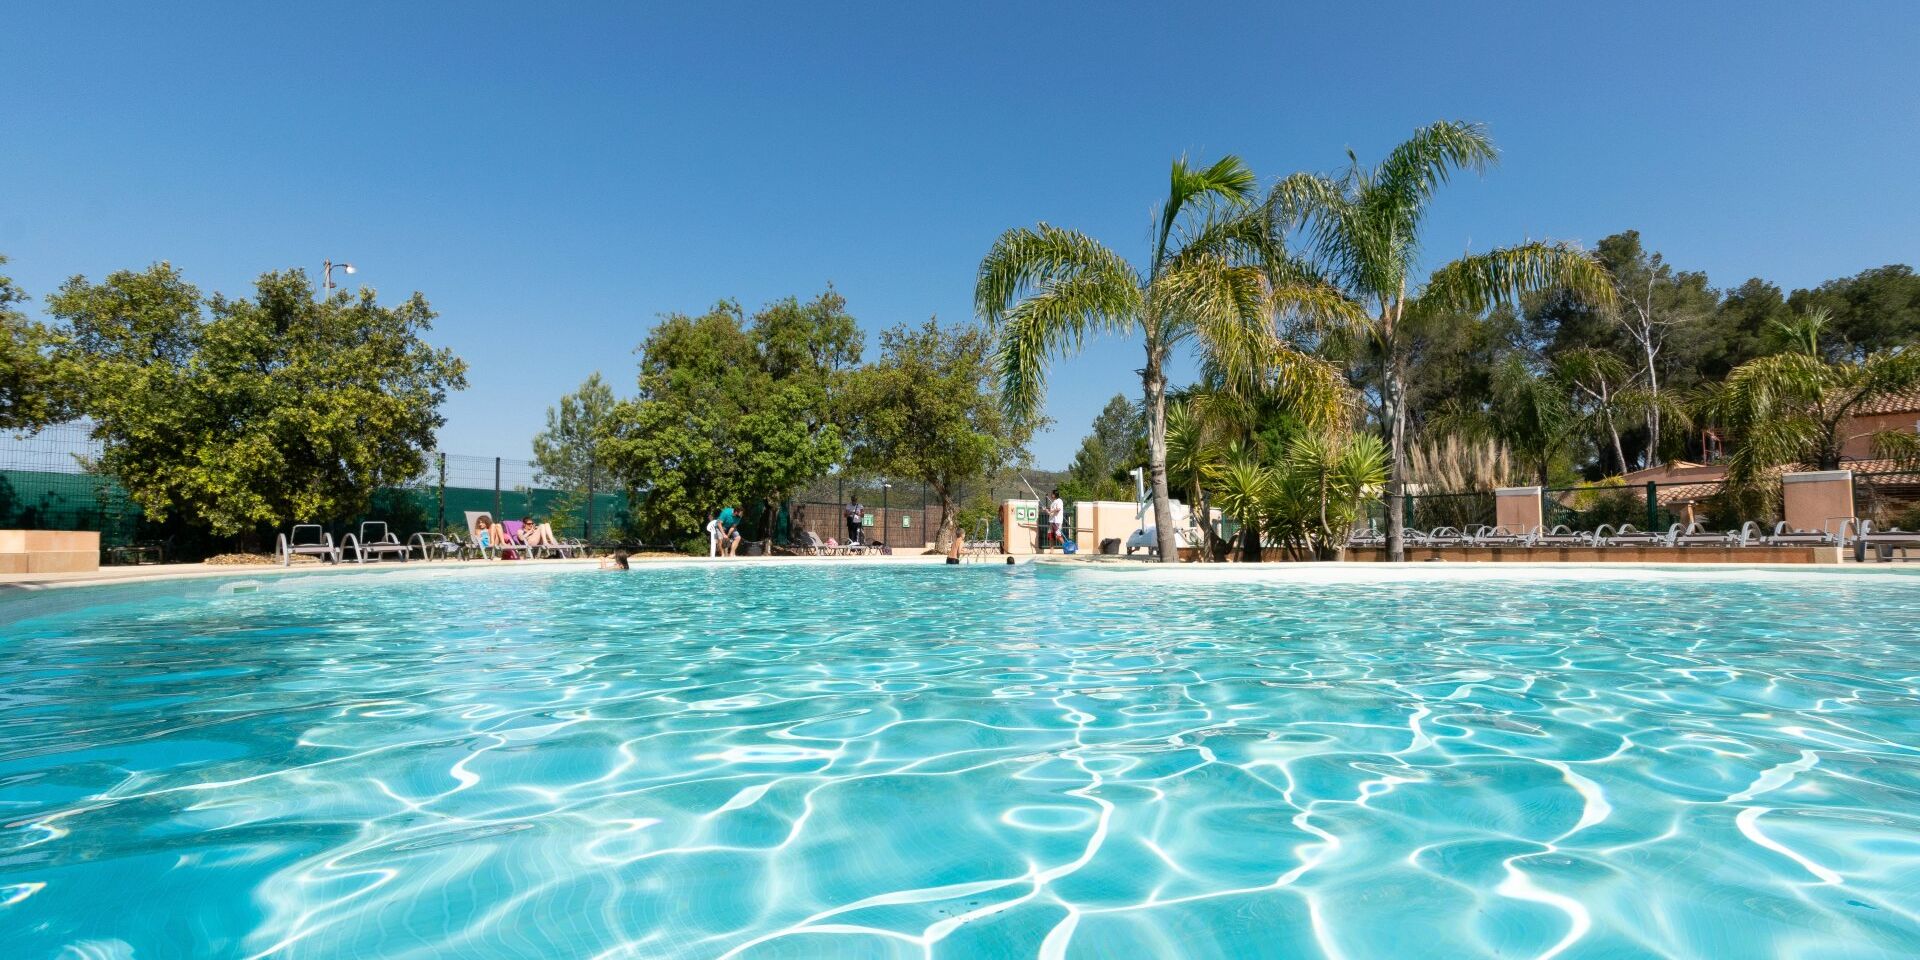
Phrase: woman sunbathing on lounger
[536,534]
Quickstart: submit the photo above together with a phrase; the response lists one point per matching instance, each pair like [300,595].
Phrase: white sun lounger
[377,541]
[820,548]
[1884,542]
[1696,535]
[308,540]
[1561,536]
[1627,536]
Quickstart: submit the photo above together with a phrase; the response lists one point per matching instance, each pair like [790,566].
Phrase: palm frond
[1900,446]
[1026,259]
[1408,177]
[1339,235]
[1056,321]
[1225,307]
[1501,277]
[1227,182]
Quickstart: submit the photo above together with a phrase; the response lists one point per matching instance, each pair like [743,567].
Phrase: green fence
[46,484]
[1592,507]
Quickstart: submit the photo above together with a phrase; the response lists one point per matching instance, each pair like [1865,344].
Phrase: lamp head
[349,267]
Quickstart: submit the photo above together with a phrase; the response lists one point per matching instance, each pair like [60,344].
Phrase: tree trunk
[1156,384]
[1211,545]
[1653,412]
[949,518]
[1619,453]
[1393,399]
[1250,542]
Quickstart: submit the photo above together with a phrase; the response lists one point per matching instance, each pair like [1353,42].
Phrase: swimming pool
[861,761]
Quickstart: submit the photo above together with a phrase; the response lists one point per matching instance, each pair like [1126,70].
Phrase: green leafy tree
[929,409]
[731,412]
[1870,312]
[1115,445]
[250,413]
[1364,229]
[1214,277]
[34,390]
[567,453]
[1794,407]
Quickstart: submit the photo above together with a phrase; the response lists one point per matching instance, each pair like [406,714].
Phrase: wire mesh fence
[1646,506]
[1890,499]
[48,482]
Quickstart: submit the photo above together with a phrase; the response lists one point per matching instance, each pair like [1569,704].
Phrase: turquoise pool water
[976,762]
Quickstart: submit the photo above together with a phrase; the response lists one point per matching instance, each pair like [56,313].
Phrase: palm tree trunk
[1393,399]
[1209,540]
[1156,385]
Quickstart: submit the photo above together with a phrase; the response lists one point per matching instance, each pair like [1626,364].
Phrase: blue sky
[555,179]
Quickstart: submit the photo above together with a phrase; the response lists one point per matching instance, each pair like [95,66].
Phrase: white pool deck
[1294,572]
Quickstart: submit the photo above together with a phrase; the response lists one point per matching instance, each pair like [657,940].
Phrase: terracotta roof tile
[1904,402]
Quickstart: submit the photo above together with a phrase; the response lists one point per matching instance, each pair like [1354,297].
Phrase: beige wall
[1517,508]
[1018,521]
[1860,430]
[49,551]
[1817,501]
[1098,520]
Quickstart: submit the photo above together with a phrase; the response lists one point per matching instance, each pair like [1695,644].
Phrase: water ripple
[867,762]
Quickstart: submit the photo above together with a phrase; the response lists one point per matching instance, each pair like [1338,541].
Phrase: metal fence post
[1653,505]
[496,489]
[588,534]
[443,490]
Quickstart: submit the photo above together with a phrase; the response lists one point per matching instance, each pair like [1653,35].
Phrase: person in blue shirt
[729,532]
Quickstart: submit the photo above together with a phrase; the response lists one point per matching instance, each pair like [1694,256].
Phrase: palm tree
[1794,407]
[1364,229]
[1322,481]
[1244,486]
[1216,274]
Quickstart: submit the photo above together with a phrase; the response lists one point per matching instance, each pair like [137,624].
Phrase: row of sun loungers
[375,541]
[1750,534]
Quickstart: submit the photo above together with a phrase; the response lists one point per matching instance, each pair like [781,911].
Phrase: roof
[1906,401]
[1675,494]
[1676,471]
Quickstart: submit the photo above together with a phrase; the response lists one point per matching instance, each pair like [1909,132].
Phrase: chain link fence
[1647,506]
[1891,499]
[48,482]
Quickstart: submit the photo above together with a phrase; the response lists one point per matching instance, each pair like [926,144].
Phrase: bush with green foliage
[249,414]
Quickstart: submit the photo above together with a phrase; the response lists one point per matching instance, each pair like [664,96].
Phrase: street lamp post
[326,276]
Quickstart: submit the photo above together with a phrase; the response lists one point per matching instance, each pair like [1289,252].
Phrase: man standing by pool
[1056,515]
[856,514]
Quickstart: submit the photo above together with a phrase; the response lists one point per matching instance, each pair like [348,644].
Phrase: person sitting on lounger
[483,532]
[536,534]
[729,532]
